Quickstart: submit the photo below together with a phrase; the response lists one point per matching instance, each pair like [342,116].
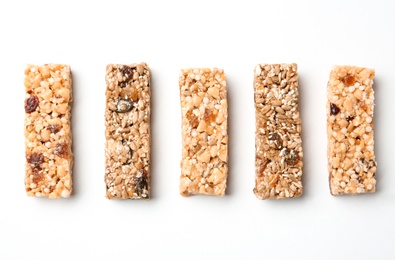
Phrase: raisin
[31,104]
[209,116]
[334,109]
[140,185]
[350,118]
[127,72]
[291,157]
[61,150]
[35,159]
[349,80]
[276,140]
[124,106]
[54,128]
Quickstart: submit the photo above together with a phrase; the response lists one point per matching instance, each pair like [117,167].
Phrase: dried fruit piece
[349,80]
[334,109]
[290,157]
[124,106]
[54,128]
[276,140]
[61,150]
[127,72]
[134,95]
[193,120]
[35,159]
[350,118]
[31,104]
[37,176]
[141,185]
[209,116]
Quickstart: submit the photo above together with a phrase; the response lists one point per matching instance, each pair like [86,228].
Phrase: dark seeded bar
[127,122]
[278,143]
[49,158]
[351,159]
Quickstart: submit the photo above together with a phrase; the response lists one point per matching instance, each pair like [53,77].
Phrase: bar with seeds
[351,159]
[204,107]
[127,122]
[278,143]
[49,157]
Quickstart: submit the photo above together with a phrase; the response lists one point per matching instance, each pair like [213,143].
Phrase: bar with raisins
[351,159]
[204,107]
[278,143]
[127,123]
[48,140]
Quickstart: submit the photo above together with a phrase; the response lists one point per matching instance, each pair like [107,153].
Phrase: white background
[170,35]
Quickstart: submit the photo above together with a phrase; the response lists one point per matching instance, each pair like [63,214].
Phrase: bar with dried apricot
[351,158]
[204,108]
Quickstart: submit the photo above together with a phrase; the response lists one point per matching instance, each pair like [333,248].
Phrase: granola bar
[49,157]
[204,106]
[127,122]
[278,143]
[351,159]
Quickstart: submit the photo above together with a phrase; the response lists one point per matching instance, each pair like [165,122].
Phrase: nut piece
[351,159]
[278,163]
[49,158]
[204,108]
[127,122]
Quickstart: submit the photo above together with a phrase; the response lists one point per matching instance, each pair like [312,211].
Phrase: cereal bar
[278,143]
[351,159]
[204,106]
[127,122]
[49,158]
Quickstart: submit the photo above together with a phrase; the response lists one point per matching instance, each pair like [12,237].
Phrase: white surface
[171,35]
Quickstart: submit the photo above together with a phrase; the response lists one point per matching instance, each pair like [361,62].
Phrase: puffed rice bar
[278,143]
[49,157]
[351,159]
[127,122]
[204,106]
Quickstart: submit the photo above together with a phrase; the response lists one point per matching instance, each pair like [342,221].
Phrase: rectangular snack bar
[351,159]
[127,122]
[278,143]
[49,157]
[204,108]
